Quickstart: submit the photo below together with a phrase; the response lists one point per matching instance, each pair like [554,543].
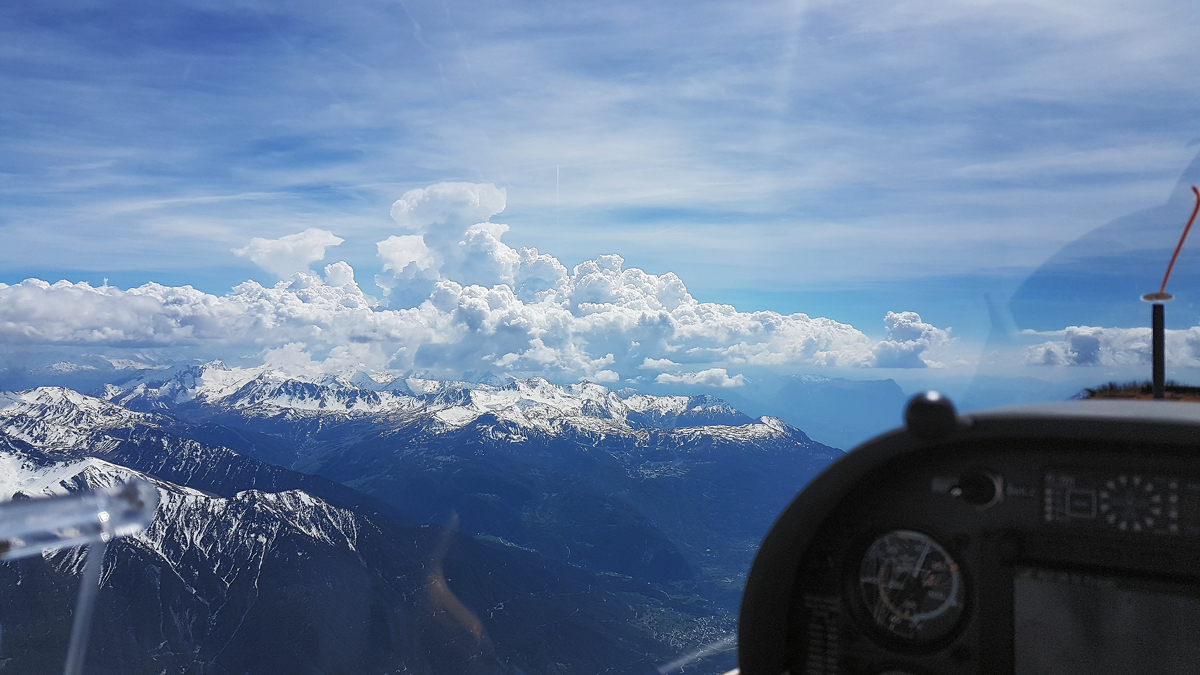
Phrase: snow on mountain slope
[657,489]
[653,487]
[534,403]
[25,475]
[192,517]
[254,388]
[275,582]
[189,520]
[185,584]
[54,417]
[762,428]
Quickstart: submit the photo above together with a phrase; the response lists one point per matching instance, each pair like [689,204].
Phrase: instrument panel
[1017,542]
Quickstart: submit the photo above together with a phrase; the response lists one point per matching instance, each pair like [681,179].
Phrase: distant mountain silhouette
[1097,279]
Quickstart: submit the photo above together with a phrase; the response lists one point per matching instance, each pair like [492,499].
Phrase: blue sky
[839,159]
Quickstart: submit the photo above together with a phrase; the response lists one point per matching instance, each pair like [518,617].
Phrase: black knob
[978,489]
[930,416]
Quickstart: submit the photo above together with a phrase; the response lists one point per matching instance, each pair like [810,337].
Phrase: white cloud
[441,204]
[525,314]
[622,326]
[1095,346]
[713,377]
[291,358]
[907,338]
[398,252]
[339,273]
[453,239]
[290,253]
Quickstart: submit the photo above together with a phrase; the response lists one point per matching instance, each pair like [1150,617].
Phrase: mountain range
[370,524]
[834,411]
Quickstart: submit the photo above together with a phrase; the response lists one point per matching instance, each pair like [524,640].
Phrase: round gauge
[912,587]
[1131,502]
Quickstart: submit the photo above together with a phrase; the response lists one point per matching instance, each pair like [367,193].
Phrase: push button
[1081,503]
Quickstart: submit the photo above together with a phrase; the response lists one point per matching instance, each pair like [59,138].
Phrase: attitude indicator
[911,586]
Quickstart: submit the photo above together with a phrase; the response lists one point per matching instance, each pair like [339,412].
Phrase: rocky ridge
[234,579]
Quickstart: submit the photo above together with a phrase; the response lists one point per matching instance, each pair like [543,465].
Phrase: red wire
[1163,288]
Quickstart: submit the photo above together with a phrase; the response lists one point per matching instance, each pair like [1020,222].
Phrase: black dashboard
[1061,538]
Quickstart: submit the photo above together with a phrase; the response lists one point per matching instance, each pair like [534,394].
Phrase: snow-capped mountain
[292,507]
[297,574]
[662,488]
[54,417]
[532,403]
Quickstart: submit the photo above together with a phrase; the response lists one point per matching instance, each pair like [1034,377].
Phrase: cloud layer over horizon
[1098,346]
[458,299]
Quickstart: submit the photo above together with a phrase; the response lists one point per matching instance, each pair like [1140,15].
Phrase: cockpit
[1057,538]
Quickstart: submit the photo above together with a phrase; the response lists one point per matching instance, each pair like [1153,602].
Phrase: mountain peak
[449,404]
[55,417]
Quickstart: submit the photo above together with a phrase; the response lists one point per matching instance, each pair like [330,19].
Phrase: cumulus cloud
[449,236]
[432,207]
[604,319]
[658,364]
[398,252]
[339,273]
[290,253]
[524,314]
[907,338]
[1097,346]
[712,377]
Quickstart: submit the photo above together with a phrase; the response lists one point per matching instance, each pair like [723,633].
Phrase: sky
[895,171]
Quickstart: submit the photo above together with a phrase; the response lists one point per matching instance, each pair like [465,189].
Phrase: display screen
[1069,623]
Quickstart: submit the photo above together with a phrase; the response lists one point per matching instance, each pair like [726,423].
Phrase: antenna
[1157,322]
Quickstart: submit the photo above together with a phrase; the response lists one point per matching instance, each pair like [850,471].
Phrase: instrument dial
[1132,503]
[911,586]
